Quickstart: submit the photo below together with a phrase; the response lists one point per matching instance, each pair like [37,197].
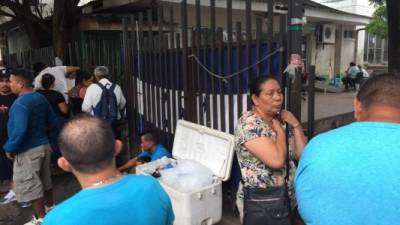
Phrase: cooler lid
[209,147]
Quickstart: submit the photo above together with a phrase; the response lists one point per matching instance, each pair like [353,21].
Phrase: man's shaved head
[380,90]
[87,143]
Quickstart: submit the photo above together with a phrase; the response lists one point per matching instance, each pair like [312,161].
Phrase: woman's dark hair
[38,67]
[47,80]
[255,85]
[82,75]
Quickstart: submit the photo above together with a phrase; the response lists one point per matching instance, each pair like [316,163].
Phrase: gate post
[188,88]
[295,28]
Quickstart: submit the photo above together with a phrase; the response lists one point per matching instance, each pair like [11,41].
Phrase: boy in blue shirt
[151,149]
[107,196]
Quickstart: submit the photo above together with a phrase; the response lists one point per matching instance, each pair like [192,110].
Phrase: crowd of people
[345,176]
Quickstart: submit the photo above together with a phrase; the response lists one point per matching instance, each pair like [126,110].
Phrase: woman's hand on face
[289,118]
[277,126]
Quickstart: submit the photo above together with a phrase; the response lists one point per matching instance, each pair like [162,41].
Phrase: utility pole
[295,28]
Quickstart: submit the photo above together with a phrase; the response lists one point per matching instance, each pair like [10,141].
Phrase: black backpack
[107,108]
[359,75]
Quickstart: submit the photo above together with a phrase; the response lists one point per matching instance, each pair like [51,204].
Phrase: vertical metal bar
[127,73]
[145,72]
[194,70]
[270,33]
[213,64]
[206,79]
[78,53]
[133,82]
[184,32]
[179,77]
[172,71]
[199,82]
[166,96]
[229,66]
[152,67]
[258,44]
[283,44]
[311,102]
[238,63]
[162,73]
[125,51]
[248,46]
[70,54]
[295,37]
[221,82]
[187,75]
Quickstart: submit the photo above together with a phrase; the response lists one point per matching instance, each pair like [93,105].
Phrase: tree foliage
[393,30]
[378,25]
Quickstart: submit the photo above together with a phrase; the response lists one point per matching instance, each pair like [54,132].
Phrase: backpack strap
[101,86]
[112,87]
[105,87]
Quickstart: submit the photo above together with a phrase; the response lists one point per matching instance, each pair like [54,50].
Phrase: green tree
[393,30]
[378,25]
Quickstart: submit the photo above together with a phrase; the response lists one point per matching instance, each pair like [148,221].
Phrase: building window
[349,34]
[376,51]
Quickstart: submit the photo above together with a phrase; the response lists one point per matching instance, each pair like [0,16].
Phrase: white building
[360,7]
[372,49]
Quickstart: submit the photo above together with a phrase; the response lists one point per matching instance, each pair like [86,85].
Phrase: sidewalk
[329,104]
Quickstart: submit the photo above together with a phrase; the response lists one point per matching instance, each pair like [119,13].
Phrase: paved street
[330,104]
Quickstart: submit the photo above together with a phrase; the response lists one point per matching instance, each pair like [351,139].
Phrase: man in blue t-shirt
[152,150]
[350,175]
[107,196]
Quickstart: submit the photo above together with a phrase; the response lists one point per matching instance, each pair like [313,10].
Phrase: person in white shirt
[60,73]
[365,72]
[94,91]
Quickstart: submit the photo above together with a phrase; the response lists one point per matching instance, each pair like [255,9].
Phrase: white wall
[361,7]
[347,55]
[322,56]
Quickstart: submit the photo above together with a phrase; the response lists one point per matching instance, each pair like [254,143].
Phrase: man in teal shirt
[108,197]
[351,75]
[350,175]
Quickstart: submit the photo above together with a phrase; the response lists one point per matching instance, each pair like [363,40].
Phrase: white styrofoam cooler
[211,148]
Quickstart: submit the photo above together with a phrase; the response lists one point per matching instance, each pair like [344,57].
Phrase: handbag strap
[287,130]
